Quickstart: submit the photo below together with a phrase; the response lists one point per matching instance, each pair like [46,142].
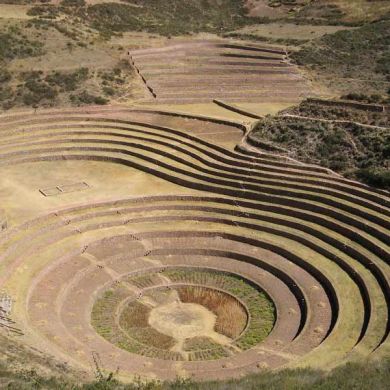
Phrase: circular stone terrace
[185,257]
[194,319]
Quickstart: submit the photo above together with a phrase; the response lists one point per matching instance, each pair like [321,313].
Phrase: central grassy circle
[184,314]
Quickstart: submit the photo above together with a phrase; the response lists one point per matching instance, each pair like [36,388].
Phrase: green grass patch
[357,376]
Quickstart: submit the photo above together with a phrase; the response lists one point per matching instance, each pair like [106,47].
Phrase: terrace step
[318,244]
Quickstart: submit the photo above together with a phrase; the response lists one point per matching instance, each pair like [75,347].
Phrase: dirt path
[333,121]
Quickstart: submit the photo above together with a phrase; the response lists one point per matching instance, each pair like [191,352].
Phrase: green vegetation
[370,99]
[24,84]
[87,98]
[331,12]
[204,348]
[15,44]
[134,321]
[38,88]
[346,110]
[170,17]
[199,343]
[367,47]
[73,3]
[260,307]
[319,14]
[134,333]
[46,12]
[357,376]
[352,141]
[28,88]
[375,177]
[68,81]
[361,54]
[350,148]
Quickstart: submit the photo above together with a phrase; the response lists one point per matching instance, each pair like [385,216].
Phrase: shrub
[346,147]
[375,177]
[11,46]
[366,98]
[87,98]
[109,91]
[68,81]
[48,12]
[73,3]
[362,53]
[5,75]
[37,92]
[169,17]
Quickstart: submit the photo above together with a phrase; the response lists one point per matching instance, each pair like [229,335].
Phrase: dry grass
[11,11]
[153,338]
[350,11]
[357,11]
[222,305]
[288,31]
[135,315]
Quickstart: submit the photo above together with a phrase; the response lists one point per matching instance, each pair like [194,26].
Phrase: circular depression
[184,314]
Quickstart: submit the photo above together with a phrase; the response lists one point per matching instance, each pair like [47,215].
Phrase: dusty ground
[11,11]
[183,321]
[106,181]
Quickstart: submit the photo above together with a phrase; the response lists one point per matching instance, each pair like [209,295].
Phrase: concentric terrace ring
[315,243]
